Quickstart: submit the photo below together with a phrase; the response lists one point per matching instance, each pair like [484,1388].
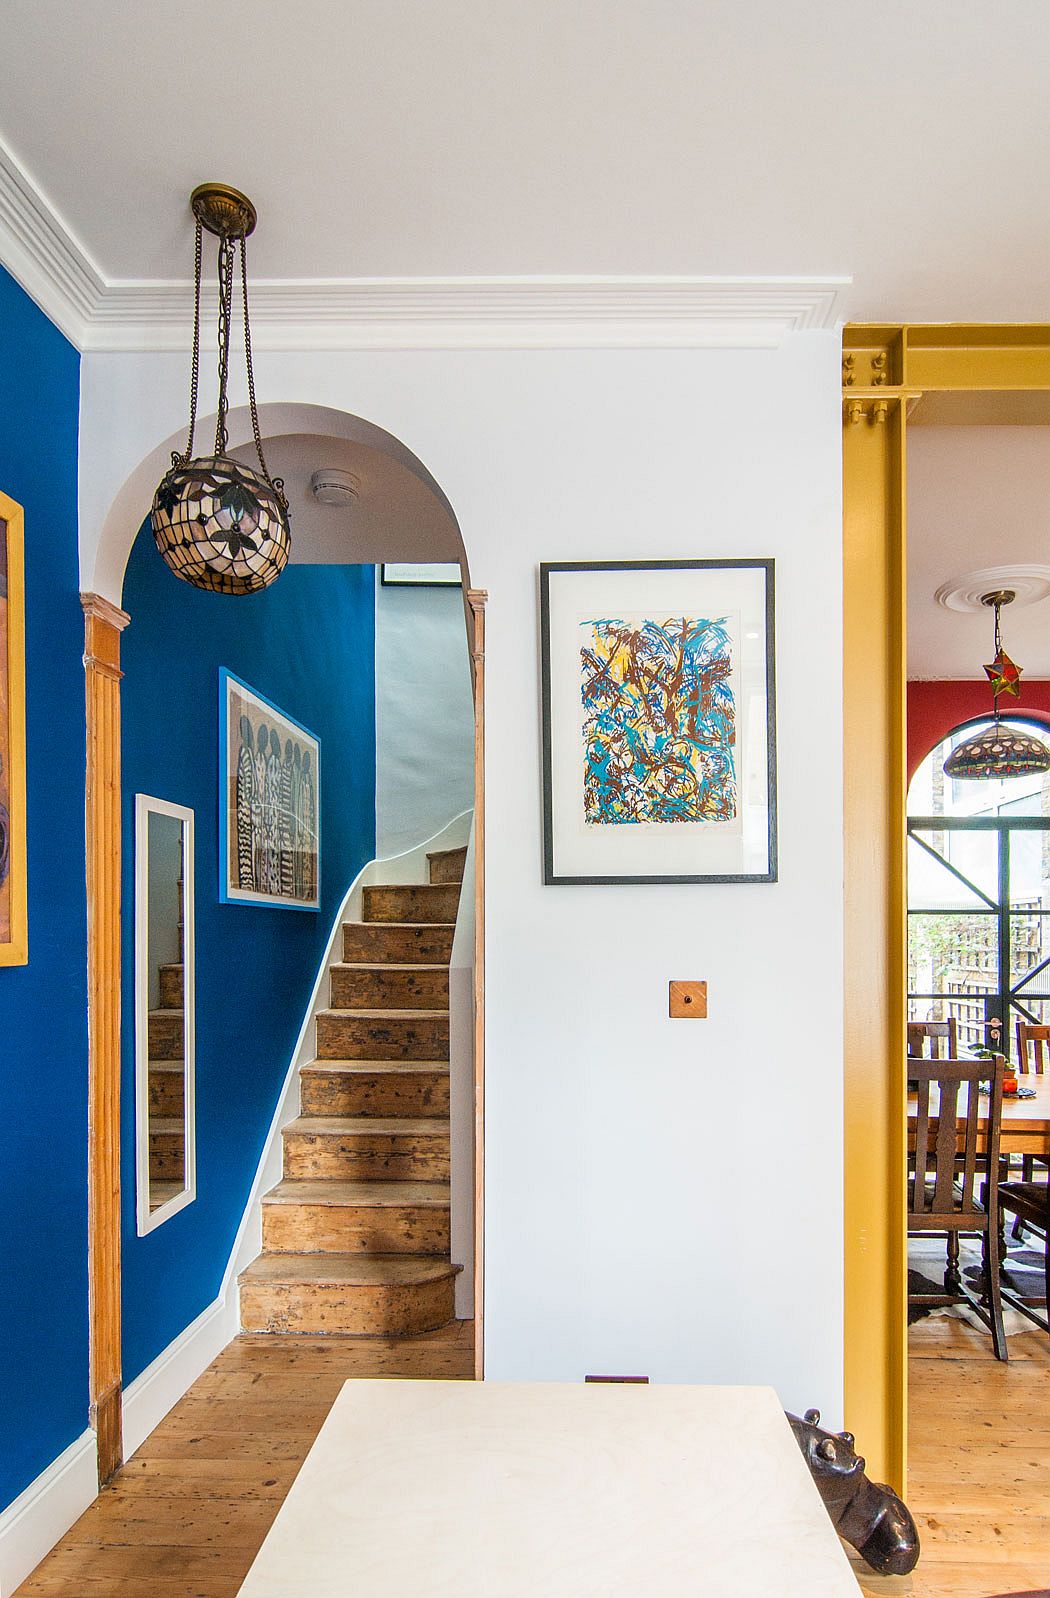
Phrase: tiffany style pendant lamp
[999,751]
[218,523]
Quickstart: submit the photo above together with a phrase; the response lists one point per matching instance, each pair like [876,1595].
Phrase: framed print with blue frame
[269,802]
[659,721]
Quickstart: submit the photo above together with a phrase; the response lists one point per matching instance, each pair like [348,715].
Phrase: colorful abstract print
[659,721]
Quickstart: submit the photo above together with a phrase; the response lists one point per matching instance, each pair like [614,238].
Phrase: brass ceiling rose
[223,210]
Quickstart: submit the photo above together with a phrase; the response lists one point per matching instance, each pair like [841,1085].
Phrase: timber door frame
[894,376]
[104,623]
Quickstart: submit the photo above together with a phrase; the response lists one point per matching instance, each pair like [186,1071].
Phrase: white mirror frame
[148,1220]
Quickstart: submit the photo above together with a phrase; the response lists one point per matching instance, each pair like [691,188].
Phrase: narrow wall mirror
[165,1143]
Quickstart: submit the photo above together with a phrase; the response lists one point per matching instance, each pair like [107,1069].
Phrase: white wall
[663,1198]
[424,714]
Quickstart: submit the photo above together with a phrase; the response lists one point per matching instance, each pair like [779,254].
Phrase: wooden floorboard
[979,1464]
[186,1516]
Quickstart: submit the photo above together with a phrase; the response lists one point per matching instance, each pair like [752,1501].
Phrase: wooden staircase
[166,1077]
[356,1236]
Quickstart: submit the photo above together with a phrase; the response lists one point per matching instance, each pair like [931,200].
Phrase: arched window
[979,898]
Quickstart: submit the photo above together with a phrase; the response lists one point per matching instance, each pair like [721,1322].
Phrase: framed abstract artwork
[659,721]
[269,804]
[14,942]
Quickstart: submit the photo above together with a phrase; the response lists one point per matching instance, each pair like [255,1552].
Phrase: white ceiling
[978,497]
[395,517]
[906,144]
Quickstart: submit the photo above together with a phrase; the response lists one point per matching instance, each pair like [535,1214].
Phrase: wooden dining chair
[941,1036]
[1033,1057]
[953,1182]
[1033,1047]
[1030,1203]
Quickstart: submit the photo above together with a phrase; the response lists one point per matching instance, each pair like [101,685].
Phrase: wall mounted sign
[435,574]
[14,947]
[270,803]
[659,722]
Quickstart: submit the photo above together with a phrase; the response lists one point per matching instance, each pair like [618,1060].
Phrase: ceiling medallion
[221,525]
[999,752]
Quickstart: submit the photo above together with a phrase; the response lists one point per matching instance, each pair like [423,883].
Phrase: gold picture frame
[14,937]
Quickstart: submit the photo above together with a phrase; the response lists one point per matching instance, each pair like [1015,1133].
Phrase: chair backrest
[948,1162]
[942,1037]
[1033,1047]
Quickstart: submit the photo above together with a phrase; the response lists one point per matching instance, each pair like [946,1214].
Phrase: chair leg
[991,1278]
[952,1277]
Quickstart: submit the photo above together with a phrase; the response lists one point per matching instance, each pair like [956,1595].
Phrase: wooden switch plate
[687,1001]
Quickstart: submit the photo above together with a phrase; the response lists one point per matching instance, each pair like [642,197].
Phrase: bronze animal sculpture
[868,1515]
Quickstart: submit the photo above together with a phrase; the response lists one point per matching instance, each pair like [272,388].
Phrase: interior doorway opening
[400,515]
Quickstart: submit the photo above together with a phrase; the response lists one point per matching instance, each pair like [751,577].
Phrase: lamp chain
[222,436]
[276,483]
[998,652]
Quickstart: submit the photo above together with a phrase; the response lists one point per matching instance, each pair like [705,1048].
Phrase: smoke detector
[332,486]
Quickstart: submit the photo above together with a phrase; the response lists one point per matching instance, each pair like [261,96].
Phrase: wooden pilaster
[104,623]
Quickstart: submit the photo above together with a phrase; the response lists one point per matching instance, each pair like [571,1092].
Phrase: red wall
[934,708]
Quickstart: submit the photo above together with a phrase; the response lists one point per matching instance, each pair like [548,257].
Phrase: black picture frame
[417,582]
[551,569]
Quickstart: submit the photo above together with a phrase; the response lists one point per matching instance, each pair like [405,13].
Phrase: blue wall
[43,1006]
[307,644]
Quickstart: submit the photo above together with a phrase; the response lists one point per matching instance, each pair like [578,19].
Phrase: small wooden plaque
[687,1000]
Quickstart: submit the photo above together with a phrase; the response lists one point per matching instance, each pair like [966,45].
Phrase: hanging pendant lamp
[219,524]
[999,751]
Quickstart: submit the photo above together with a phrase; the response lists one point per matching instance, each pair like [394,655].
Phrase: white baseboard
[171,1375]
[32,1525]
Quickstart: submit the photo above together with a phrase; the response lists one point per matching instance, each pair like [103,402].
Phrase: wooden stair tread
[366,1126]
[167,1065]
[388,1015]
[353,1270]
[165,1125]
[406,926]
[377,1067]
[169,1014]
[435,1195]
[389,965]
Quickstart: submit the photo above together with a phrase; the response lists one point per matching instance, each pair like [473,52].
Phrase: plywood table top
[552,1490]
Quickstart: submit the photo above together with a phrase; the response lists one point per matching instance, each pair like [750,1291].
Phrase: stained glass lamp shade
[219,524]
[999,752]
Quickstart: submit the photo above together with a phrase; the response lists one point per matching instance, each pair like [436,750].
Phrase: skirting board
[31,1526]
[44,1512]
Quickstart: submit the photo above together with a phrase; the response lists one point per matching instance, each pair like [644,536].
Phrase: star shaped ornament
[1004,676]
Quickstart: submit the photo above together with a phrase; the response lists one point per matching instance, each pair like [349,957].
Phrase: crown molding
[471,313]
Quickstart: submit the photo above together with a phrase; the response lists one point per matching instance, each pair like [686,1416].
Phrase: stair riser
[379,988]
[166,1158]
[171,987]
[385,1094]
[320,1311]
[351,1037]
[166,1094]
[165,1037]
[448,867]
[382,1157]
[365,943]
[411,903]
[361,1229]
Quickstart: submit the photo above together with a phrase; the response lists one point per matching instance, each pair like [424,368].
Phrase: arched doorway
[979,898]
[425,529]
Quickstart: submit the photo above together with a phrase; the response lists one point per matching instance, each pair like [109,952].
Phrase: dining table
[1025,1124]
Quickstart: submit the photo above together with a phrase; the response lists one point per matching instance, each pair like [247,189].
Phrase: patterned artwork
[659,721]
[5,751]
[272,782]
